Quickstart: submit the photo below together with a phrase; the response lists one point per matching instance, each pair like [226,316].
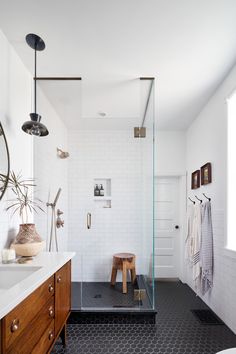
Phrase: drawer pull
[51,312]
[59,279]
[14,325]
[50,288]
[51,335]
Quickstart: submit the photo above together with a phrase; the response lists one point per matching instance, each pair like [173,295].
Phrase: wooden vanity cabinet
[62,302]
[34,325]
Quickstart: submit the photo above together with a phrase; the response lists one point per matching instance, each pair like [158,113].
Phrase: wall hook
[206,197]
[193,201]
[200,200]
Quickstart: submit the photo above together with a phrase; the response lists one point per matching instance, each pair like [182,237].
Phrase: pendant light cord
[34,126]
[35,79]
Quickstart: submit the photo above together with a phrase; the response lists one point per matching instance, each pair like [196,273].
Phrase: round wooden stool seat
[123,262]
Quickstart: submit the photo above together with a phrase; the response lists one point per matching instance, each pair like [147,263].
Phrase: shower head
[55,200]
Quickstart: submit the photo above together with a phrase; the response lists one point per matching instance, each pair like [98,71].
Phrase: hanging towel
[206,254]
[189,237]
[196,245]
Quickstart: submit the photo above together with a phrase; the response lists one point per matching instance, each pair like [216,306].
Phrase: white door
[167,228]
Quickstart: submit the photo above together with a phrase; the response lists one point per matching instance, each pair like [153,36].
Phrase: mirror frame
[8,161]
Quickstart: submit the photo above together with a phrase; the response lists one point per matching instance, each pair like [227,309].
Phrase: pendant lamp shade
[34,126]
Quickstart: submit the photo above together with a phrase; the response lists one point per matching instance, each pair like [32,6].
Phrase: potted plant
[27,242]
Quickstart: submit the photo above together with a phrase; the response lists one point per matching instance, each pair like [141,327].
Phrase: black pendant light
[33,126]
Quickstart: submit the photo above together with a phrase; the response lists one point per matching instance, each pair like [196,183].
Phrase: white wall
[51,172]
[15,105]
[171,153]
[31,156]
[206,142]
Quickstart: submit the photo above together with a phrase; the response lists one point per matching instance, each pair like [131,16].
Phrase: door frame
[182,218]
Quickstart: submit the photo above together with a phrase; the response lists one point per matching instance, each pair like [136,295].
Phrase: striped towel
[206,251]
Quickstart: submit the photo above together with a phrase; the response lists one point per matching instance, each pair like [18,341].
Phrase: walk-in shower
[110,179]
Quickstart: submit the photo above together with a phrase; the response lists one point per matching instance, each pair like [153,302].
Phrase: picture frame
[195,179]
[206,174]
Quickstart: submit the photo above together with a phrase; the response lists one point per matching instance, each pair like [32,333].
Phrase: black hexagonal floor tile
[176,331]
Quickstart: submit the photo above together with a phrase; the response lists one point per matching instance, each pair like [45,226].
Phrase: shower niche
[102,192]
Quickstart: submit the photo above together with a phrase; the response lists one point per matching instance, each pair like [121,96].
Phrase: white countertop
[48,263]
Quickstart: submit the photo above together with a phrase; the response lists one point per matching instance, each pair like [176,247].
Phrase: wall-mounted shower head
[62,154]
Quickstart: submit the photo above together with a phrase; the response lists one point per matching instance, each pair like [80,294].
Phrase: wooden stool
[124,262]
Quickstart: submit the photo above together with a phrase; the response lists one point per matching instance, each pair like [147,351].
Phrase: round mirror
[4,162]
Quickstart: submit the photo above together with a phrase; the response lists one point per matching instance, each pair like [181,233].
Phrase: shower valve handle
[89,220]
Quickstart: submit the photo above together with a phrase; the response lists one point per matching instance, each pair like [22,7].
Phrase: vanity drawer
[35,330]
[18,319]
[46,341]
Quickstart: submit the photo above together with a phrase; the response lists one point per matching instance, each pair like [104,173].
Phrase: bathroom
[91,115]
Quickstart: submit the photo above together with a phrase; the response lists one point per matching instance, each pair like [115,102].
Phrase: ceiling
[187,45]
[93,105]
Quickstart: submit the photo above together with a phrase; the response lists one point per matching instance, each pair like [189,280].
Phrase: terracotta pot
[27,234]
[28,243]
[28,249]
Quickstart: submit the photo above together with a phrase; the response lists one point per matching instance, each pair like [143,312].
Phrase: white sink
[10,276]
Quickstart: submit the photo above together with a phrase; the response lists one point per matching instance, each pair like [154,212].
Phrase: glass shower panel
[147,172]
[112,219]
[115,193]
[108,193]
[107,186]
[106,196]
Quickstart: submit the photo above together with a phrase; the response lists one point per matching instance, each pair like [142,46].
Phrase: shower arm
[147,103]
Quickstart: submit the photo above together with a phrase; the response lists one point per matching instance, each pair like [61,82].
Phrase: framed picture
[196,179]
[206,174]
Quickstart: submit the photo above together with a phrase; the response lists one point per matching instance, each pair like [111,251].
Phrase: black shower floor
[177,331]
[101,295]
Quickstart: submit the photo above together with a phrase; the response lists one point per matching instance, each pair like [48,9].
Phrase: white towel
[196,245]
[188,240]
[206,253]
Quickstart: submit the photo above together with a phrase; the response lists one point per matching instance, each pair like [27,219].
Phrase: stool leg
[133,275]
[124,278]
[113,276]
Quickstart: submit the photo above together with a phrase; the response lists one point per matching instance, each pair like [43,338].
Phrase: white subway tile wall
[222,297]
[105,154]
[207,142]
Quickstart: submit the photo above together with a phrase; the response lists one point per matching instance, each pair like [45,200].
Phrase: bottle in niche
[101,191]
[96,191]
